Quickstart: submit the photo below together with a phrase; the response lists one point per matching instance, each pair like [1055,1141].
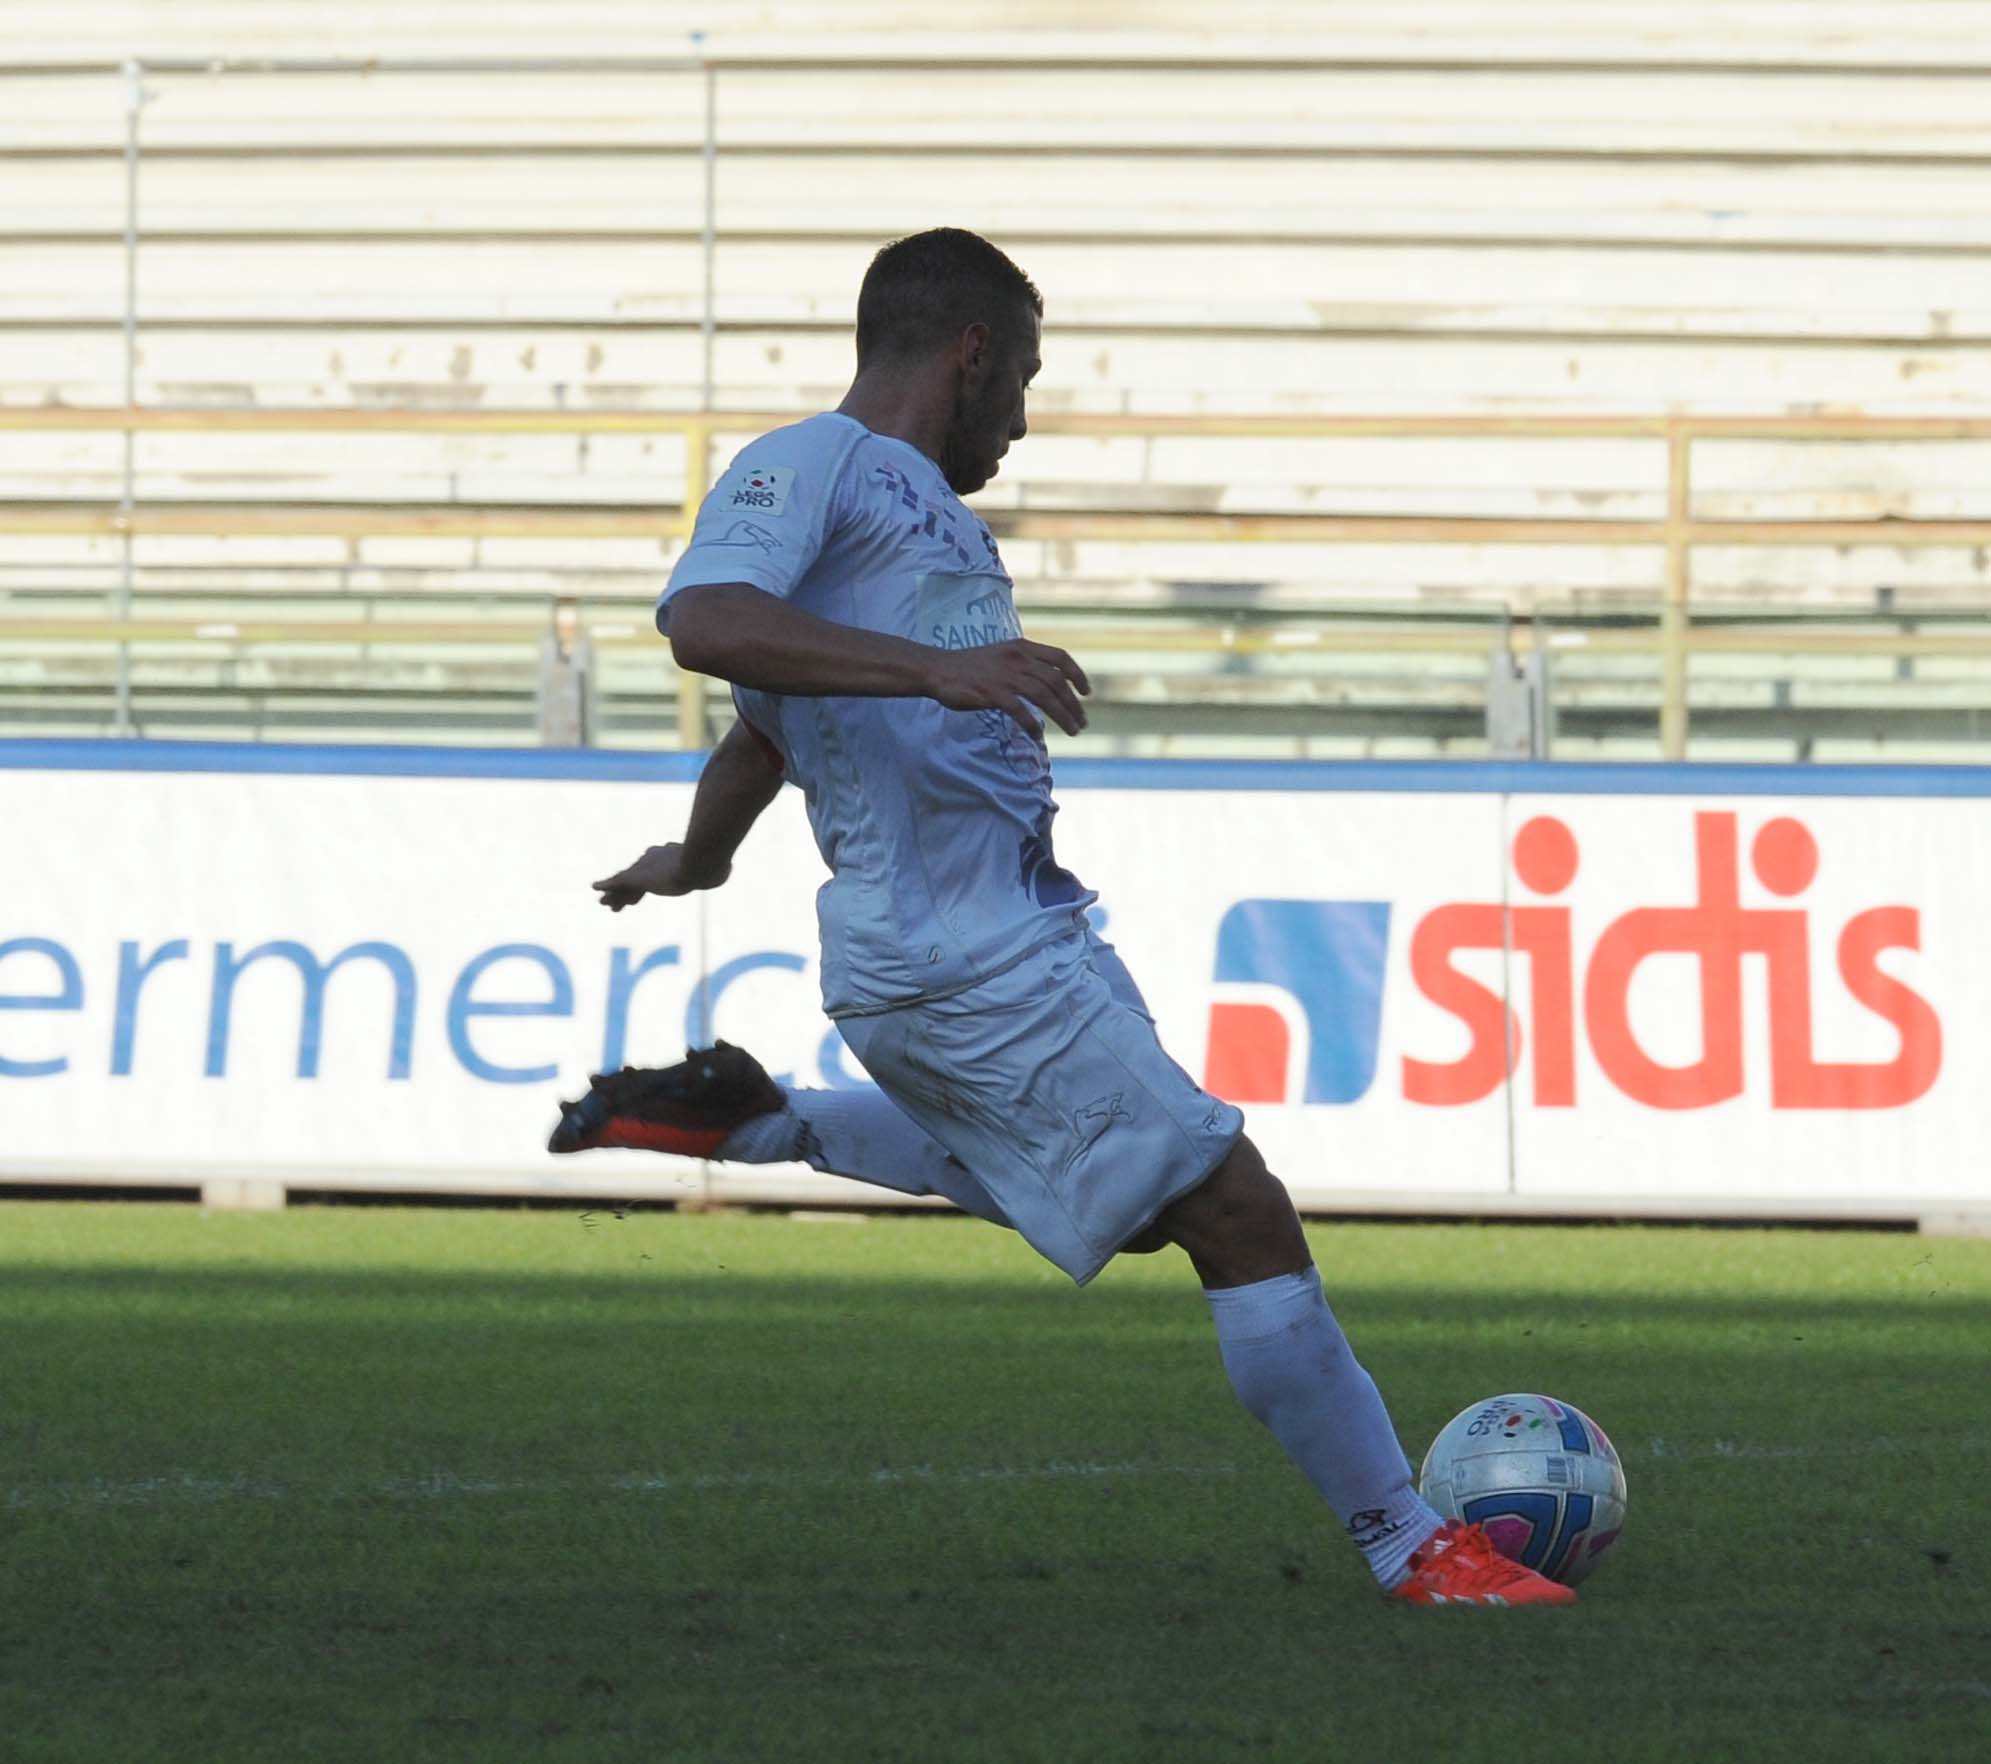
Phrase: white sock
[1293,1368]
[862,1134]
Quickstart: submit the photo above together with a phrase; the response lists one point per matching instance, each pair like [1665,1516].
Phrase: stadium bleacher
[1446,208]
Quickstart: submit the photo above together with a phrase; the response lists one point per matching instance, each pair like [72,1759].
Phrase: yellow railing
[1676,534]
[1190,637]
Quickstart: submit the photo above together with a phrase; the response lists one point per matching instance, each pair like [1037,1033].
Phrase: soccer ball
[1538,1476]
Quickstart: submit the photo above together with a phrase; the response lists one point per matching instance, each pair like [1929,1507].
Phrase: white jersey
[936,824]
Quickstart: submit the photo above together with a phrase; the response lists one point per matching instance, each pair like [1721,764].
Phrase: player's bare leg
[1239,1226]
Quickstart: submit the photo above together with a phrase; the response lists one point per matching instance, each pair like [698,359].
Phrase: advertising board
[1433,986]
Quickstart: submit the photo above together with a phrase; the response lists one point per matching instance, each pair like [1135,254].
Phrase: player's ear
[974,354]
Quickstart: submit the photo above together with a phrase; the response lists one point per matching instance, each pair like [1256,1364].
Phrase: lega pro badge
[764,490]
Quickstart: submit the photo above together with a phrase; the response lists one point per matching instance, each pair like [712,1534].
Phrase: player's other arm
[741,633]
[738,782]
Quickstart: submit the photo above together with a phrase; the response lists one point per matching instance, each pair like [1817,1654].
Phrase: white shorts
[1049,1084]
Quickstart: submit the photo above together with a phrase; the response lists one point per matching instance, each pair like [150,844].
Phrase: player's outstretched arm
[738,782]
[740,633]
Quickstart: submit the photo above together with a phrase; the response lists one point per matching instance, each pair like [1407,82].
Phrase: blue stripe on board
[1527,777]
[285,759]
[1517,777]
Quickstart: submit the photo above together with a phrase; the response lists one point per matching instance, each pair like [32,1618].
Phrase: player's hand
[663,869]
[1009,676]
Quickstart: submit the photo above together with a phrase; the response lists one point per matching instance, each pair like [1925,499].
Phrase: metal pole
[693,731]
[1508,1022]
[1673,608]
[708,318]
[134,99]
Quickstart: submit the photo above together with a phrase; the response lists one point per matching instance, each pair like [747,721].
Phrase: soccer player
[863,615]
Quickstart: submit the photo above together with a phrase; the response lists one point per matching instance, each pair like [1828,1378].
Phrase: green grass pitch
[503,1485]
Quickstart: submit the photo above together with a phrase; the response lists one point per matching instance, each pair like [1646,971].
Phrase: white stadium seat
[1455,208]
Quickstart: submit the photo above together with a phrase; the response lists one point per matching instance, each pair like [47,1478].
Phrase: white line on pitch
[1662,1452]
[188,1488]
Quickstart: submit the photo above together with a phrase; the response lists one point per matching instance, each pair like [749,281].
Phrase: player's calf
[1289,1362]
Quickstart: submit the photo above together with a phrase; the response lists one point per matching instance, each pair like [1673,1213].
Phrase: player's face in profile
[989,414]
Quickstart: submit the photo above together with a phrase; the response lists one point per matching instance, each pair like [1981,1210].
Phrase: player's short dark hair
[923,291]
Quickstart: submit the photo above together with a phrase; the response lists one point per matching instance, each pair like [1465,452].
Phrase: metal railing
[1676,535]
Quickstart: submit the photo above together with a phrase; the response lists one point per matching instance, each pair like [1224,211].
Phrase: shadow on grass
[158,1365]
[32,1293]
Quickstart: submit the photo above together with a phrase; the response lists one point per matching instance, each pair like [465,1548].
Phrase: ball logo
[1315,976]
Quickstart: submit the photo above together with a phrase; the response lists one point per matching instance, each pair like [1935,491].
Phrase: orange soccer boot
[1458,1565]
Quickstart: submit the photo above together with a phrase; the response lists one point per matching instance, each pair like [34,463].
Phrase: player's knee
[1238,1225]
[1240,1195]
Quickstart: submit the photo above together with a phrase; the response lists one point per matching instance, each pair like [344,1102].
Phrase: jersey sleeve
[766,519]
